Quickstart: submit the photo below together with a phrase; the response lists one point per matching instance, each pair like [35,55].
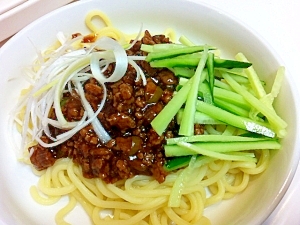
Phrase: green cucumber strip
[204,75]
[192,149]
[237,78]
[177,163]
[222,85]
[221,147]
[185,41]
[235,120]
[212,130]
[206,92]
[276,121]
[147,48]
[253,77]
[161,47]
[183,161]
[182,81]
[250,134]
[221,94]
[277,83]
[200,118]
[211,74]
[231,97]
[230,131]
[187,123]
[180,183]
[231,108]
[238,74]
[269,98]
[183,71]
[237,71]
[194,61]
[162,120]
[173,52]
[213,138]
[229,64]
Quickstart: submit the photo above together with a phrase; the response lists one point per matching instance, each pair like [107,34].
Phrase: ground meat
[198,129]
[135,148]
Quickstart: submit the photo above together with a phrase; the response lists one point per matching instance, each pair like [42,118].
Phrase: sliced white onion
[95,67]
[63,70]
[137,57]
[98,128]
[139,71]
[136,38]
[121,59]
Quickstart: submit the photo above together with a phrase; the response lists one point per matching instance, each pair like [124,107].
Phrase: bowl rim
[294,90]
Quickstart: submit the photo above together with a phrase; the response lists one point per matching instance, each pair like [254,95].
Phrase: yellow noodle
[87,206]
[112,33]
[154,219]
[59,178]
[180,211]
[63,178]
[108,204]
[102,187]
[55,191]
[215,165]
[151,192]
[46,178]
[174,217]
[228,195]
[242,164]
[200,206]
[59,217]
[237,187]
[142,182]
[218,196]
[217,176]
[198,175]
[194,208]
[96,13]
[171,34]
[164,219]
[203,221]
[56,174]
[89,183]
[124,195]
[49,200]
[131,219]
[262,163]
[36,172]
[107,29]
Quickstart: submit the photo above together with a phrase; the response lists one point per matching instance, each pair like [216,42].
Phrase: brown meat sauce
[135,148]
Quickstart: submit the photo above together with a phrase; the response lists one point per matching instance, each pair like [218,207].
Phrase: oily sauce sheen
[135,148]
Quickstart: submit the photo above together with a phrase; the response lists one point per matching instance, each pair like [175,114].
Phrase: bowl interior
[202,24]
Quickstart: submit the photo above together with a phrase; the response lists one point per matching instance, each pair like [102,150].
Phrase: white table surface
[278,22]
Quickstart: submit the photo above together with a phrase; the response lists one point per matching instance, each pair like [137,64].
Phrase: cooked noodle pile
[142,199]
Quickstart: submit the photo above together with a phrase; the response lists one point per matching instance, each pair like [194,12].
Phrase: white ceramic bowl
[201,23]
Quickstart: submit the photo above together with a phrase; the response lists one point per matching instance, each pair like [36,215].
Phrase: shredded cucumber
[187,122]
[227,98]
[220,147]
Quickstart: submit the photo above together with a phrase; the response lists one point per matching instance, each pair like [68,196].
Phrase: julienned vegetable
[219,92]
[227,97]
[190,104]
[68,70]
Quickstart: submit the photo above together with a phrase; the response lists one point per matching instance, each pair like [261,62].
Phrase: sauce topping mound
[135,148]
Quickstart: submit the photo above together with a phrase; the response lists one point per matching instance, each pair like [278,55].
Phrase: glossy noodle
[142,200]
